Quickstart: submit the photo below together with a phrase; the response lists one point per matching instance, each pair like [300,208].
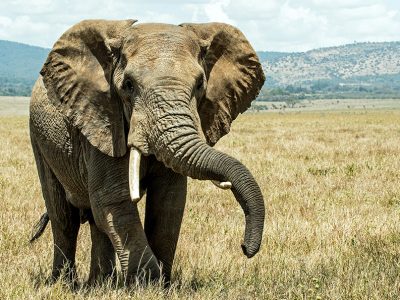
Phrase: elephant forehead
[151,72]
[159,39]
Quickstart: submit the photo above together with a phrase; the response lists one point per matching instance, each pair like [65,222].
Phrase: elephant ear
[77,75]
[234,76]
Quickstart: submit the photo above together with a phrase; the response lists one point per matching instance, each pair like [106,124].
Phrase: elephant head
[164,90]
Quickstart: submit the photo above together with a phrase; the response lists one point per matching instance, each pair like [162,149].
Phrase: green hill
[19,67]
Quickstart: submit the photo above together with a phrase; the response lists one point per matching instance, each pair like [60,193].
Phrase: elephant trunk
[183,151]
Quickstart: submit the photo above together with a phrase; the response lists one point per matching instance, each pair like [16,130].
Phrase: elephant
[121,109]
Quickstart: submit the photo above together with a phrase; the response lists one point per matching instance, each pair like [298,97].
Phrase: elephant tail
[39,227]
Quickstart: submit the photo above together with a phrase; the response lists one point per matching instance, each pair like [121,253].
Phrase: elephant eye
[128,85]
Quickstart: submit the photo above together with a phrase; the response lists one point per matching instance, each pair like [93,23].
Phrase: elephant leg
[64,218]
[165,203]
[121,222]
[118,217]
[102,263]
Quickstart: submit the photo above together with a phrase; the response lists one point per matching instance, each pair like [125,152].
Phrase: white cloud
[215,11]
[339,4]
[288,25]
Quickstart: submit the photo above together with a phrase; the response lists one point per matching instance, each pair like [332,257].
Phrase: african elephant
[120,109]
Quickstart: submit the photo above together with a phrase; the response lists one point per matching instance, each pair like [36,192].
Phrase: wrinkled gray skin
[169,91]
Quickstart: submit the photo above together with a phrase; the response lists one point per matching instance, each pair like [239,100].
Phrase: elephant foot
[66,275]
[96,280]
[144,280]
[145,275]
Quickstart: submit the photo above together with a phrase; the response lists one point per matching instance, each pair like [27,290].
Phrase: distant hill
[362,68]
[19,67]
[354,70]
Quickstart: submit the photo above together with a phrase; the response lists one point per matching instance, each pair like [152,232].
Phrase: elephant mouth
[134,176]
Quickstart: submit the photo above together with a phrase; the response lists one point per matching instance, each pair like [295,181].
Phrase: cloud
[24,29]
[288,25]
[305,24]
[215,11]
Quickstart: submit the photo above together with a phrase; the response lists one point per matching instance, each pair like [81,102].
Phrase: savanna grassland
[331,182]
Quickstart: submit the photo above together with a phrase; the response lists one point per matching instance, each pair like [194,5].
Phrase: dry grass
[332,186]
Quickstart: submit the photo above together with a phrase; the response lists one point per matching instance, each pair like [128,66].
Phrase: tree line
[367,87]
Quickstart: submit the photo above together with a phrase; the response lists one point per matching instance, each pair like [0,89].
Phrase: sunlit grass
[331,182]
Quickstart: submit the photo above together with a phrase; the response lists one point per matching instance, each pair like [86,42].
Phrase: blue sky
[288,25]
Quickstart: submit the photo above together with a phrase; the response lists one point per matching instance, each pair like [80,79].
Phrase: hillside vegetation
[19,67]
[361,70]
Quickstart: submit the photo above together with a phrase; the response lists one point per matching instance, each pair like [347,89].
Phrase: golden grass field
[331,182]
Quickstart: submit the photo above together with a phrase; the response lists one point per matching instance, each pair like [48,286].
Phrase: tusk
[225,185]
[134,176]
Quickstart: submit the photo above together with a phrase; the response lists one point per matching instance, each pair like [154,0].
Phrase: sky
[269,25]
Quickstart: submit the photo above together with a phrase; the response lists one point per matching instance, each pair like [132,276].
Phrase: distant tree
[291,102]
